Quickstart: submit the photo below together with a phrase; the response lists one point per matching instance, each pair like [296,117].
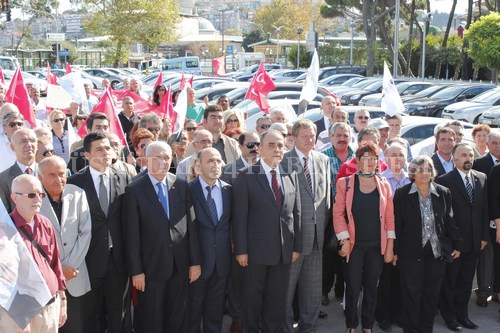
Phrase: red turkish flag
[191,81]
[2,78]
[18,95]
[105,105]
[159,80]
[68,68]
[260,87]
[183,82]
[218,66]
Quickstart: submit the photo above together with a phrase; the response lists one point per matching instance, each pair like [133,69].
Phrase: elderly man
[105,259]
[327,108]
[263,124]
[278,116]
[266,234]
[201,139]
[383,130]
[152,123]
[313,170]
[162,251]
[38,235]
[136,87]
[44,149]
[194,110]
[11,122]
[323,140]
[361,120]
[39,104]
[67,209]
[24,144]
[127,117]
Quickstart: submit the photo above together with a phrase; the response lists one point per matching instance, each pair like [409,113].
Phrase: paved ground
[487,318]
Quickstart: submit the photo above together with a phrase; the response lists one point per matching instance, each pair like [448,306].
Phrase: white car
[491,117]
[472,109]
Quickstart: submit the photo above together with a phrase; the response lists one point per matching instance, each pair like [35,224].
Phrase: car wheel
[114,84]
[438,114]
[476,120]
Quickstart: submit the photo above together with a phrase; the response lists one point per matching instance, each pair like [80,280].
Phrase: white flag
[181,108]
[310,88]
[391,100]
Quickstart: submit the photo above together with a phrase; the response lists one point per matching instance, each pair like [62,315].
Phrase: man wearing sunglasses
[263,124]
[38,235]
[11,122]
[361,120]
[24,145]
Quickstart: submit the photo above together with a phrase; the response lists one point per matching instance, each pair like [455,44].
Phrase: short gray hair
[149,117]
[344,126]
[368,131]
[157,145]
[416,163]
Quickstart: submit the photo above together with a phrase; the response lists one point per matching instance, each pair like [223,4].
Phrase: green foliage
[331,55]
[338,8]
[305,57]
[450,55]
[483,37]
[251,37]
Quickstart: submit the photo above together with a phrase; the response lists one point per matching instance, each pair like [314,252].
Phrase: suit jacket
[77,161]
[438,165]
[483,164]
[343,203]
[266,233]
[320,126]
[102,225]
[215,240]
[315,206]
[231,149]
[155,243]
[408,243]
[73,235]
[6,178]
[471,218]
[494,192]
[231,170]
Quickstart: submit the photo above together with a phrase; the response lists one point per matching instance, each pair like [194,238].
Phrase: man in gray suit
[266,234]
[313,170]
[67,209]
[24,143]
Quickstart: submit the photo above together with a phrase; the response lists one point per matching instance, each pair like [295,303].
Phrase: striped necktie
[468,187]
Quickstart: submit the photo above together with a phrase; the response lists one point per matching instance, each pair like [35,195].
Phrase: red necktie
[278,195]
[28,171]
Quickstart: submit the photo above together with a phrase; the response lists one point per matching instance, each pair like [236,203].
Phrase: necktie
[497,161]
[307,173]
[278,195]
[28,171]
[162,198]
[468,187]
[103,195]
[211,205]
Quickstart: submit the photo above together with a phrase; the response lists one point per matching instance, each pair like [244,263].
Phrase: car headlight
[355,96]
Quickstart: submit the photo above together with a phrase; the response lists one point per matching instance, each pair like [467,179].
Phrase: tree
[251,37]
[483,37]
[305,57]
[127,21]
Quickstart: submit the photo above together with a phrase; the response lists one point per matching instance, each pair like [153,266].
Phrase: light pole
[352,42]
[299,32]
[396,41]
[427,18]
[278,30]
[222,11]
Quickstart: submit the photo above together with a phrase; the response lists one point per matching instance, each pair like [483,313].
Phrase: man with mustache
[470,211]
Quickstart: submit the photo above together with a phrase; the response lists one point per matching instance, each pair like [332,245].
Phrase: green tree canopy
[483,37]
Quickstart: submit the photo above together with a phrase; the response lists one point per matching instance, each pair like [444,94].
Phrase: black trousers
[362,272]
[485,271]
[76,311]
[106,301]
[421,281]
[496,261]
[457,287]
[163,304]
[265,289]
[234,290]
[206,303]
[389,295]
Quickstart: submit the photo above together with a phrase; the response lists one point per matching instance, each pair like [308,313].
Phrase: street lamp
[396,41]
[299,32]
[352,42]
[426,18]
[278,30]
[222,11]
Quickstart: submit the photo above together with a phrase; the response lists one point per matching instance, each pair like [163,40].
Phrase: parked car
[316,114]
[113,78]
[345,87]
[337,79]
[285,75]
[491,117]
[472,109]
[433,106]
[415,128]
[427,92]
[404,88]
[213,93]
[253,69]
[353,96]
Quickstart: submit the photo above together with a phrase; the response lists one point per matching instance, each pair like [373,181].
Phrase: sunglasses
[16,123]
[232,121]
[154,129]
[363,117]
[81,118]
[251,145]
[58,120]
[47,152]
[264,127]
[142,146]
[33,195]
[191,128]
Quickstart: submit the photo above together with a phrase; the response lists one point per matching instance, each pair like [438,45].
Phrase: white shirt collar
[463,174]
[96,174]
[154,181]
[24,167]
[267,168]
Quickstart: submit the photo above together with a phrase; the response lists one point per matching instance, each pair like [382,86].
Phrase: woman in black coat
[426,238]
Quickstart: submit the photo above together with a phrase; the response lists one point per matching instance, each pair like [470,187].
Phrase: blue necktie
[162,198]
[468,187]
[211,205]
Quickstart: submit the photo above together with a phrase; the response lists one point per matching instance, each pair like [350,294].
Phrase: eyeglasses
[81,118]
[191,128]
[424,170]
[48,151]
[232,121]
[16,123]
[264,127]
[58,120]
[154,129]
[142,146]
[363,117]
[162,89]
[251,145]
[33,195]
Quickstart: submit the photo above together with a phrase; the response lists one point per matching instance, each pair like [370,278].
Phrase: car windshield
[301,77]
[353,81]
[236,93]
[450,92]
[363,84]
[489,96]
[428,91]
[403,86]
[374,86]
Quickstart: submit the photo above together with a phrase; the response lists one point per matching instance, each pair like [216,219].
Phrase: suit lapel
[65,199]
[153,196]
[200,196]
[262,179]
[91,191]
[48,211]
[414,201]
[318,173]
[297,166]
[477,185]
[460,184]
[226,202]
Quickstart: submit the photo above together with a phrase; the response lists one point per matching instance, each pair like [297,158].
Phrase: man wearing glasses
[152,123]
[201,139]
[263,124]
[24,145]
[38,235]
[361,120]
[11,122]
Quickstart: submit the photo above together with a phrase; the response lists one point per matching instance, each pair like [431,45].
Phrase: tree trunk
[410,38]
[465,68]
[369,27]
[446,35]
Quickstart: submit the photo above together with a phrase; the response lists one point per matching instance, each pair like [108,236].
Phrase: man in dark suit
[470,211]
[249,143]
[127,117]
[313,170]
[104,187]
[327,107]
[212,204]
[162,251]
[442,158]
[485,264]
[494,207]
[24,144]
[266,234]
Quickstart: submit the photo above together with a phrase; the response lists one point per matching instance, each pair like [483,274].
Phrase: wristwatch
[342,241]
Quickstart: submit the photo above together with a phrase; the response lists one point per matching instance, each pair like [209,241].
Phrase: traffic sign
[64,53]
[229,49]
[56,37]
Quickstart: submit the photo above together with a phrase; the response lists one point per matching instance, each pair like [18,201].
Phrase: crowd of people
[174,229]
